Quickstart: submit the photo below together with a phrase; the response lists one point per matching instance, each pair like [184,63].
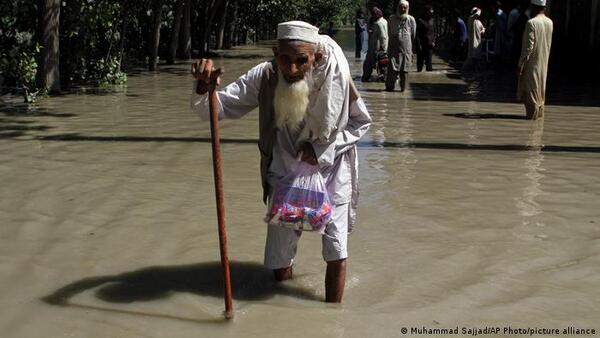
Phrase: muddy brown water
[469,216]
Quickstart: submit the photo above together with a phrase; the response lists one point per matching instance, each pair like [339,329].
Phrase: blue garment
[501,38]
[361,34]
[461,30]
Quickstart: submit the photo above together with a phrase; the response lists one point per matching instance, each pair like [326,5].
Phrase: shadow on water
[78,137]
[500,85]
[372,90]
[487,116]
[503,88]
[368,144]
[250,281]
[13,125]
[23,110]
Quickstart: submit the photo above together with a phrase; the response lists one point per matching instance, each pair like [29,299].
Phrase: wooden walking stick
[218,175]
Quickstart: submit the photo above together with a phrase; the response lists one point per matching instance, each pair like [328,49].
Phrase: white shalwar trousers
[282,243]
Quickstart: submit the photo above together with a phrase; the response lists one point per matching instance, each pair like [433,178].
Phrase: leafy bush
[18,57]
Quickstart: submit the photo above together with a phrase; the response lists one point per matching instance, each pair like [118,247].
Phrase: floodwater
[469,216]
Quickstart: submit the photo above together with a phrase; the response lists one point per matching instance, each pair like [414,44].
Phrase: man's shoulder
[547,20]
[262,70]
[263,67]
[540,20]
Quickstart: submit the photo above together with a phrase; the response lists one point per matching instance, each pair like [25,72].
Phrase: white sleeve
[235,100]
[528,44]
[358,125]
[330,101]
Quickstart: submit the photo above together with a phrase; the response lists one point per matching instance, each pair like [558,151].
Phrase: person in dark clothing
[461,37]
[331,31]
[425,39]
[518,28]
[360,34]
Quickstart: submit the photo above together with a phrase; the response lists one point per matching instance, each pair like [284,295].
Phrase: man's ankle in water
[283,274]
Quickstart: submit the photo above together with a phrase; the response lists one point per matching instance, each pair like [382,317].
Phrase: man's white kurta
[535,52]
[333,124]
[476,31]
[379,38]
[402,30]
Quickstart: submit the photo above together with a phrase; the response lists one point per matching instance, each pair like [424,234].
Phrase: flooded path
[469,215]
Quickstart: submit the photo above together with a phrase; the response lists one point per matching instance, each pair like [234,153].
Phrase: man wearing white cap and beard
[402,29]
[533,63]
[309,110]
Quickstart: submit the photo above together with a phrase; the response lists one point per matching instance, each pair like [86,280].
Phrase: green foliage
[18,50]
[261,13]
[90,36]
[97,36]
[106,72]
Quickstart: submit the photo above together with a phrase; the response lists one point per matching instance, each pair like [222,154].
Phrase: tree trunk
[204,27]
[221,31]
[154,43]
[230,37]
[175,32]
[211,13]
[123,32]
[48,72]
[185,45]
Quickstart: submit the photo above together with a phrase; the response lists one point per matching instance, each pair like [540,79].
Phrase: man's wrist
[201,88]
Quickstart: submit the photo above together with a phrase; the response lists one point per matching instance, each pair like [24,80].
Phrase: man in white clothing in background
[533,63]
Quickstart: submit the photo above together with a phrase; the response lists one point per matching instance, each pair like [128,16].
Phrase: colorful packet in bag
[301,201]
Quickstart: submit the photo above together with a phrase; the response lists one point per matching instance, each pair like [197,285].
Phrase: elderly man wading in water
[309,111]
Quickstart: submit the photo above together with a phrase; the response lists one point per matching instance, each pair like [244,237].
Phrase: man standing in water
[361,34]
[533,63]
[501,38]
[309,110]
[476,31]
[378,42]
[461,38]
[402,31]
[425,39]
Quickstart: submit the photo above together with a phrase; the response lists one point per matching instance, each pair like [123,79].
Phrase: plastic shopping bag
[301,201]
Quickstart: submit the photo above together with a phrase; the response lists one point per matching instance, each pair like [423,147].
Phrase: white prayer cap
[477,11]
[297,30]
[404,3]
[539,2]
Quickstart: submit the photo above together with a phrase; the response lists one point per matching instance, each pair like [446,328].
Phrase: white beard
[291,101]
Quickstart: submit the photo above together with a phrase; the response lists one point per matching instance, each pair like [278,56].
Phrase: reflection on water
[407,158]
[527,204]
[104,184]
